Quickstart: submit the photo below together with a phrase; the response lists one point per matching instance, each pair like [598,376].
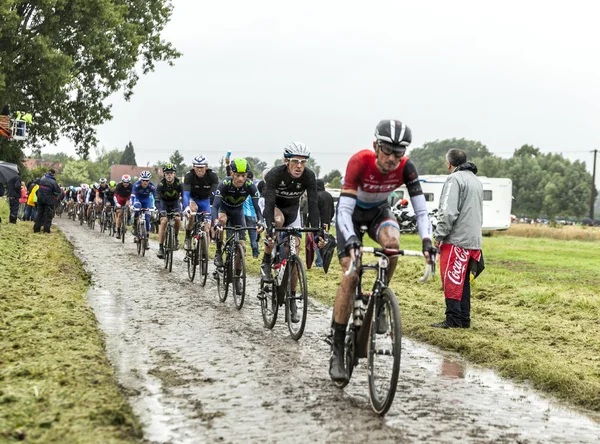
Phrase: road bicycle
[197,257]
[374,330]
[229,275]
[170,243]
[288,285]
[92,219]
[141,231]
[125,215]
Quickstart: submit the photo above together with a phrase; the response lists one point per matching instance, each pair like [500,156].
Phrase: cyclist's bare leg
[389,237]
[294,282]
[191,220]
[342,307]
[161,229]
[177,225]
[237,259]
[119,217]
[279,219]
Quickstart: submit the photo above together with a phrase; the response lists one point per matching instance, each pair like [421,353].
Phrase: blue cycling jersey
[142,194]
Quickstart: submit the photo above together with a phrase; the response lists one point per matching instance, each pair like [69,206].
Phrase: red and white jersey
[373,187]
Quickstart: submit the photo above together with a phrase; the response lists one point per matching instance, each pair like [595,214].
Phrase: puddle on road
[198,370]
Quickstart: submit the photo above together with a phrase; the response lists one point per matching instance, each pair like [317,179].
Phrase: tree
[128,156]
[61,60]
[56,157]
[313,165]
[327,178]
[178,160]
[431,158]
[256,165]
[336,182]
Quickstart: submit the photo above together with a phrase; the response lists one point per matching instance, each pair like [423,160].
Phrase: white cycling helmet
[145,175]
[296,149]
[199,161]
[103,180]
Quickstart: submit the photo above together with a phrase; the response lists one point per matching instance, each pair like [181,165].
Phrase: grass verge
[56,384]
[535,311]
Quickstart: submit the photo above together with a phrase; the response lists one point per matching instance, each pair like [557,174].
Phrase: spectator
[22,201]
[47,197]
[458,236]
[30,209]
[250,216]
[14,194]
[326,213]
[5,110]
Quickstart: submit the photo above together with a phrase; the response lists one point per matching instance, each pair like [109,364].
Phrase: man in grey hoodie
[458,236]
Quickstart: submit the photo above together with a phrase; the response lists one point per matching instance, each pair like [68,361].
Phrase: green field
[535,311]
[56,384]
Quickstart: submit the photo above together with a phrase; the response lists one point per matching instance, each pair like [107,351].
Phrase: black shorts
[291,216]
[373,218]
[235,218]
[170,207]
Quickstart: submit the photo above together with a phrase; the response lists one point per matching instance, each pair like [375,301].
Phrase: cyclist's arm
[417,199]
[214,209]
[269,196]
[214,181]
[344,214]
[187,188]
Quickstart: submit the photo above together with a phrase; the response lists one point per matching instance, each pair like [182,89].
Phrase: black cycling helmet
[394,133]
[327,251]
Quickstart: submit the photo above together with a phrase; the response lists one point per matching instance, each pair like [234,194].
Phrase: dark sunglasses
[388,149]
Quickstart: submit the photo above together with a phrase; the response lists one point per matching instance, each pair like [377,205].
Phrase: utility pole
[592,200]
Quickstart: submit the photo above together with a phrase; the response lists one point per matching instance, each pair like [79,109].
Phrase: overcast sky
[257,74]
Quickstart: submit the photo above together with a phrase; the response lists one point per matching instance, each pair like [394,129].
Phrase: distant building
[34,163]
[117,171]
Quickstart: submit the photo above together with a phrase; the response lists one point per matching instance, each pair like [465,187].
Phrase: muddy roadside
[196,369]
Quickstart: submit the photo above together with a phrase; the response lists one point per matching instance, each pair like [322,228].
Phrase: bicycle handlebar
[389,252]
[297,229]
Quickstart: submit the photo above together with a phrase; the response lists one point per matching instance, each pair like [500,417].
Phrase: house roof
[117,171]
[34,163]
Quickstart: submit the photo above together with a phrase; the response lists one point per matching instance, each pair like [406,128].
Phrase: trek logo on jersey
[377,187]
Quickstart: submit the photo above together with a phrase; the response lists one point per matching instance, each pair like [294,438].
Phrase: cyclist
[370,178]
[100,191]
[142,196]
[122,194]
[90,198]
[169,191]
[228,204]
[81,198]
[198,185]
[109,197]
[71,197]
[284,186]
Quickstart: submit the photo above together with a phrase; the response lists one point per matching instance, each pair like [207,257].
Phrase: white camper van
[497,198]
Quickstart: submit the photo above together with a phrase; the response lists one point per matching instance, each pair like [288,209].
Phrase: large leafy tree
[61,60]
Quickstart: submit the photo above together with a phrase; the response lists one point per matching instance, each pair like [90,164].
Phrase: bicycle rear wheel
[299,297]
[238,281]
[384,352]
[192,257]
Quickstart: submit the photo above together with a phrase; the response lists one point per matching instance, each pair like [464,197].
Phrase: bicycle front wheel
[203,259]
[192,257]
[296,299]
[239,277]
[144,236]
[384,352]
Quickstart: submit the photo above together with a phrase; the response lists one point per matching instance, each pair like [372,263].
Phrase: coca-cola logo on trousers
[459,265]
